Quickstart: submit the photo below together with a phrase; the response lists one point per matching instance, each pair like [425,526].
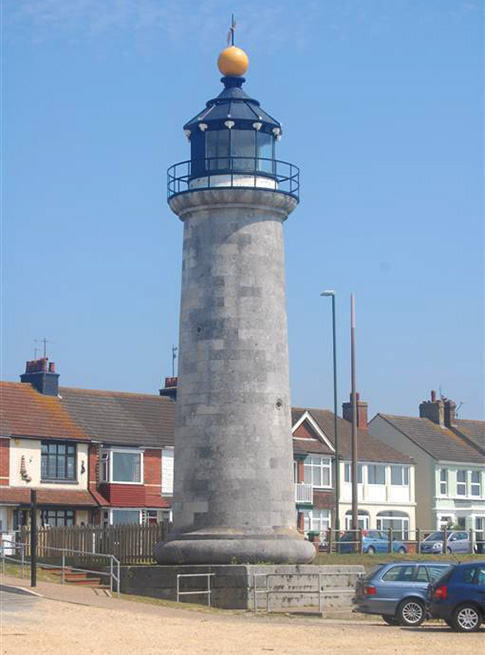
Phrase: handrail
[233,172]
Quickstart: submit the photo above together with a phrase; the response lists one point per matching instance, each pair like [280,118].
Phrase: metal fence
[419,541]
[65,562]
[130,544]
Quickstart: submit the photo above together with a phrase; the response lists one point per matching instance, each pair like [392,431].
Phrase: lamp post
[331,294]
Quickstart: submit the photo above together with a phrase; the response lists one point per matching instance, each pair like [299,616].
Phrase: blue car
[458,597]
[397,591]
[374,541]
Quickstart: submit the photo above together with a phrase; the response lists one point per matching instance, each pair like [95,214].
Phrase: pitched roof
[26,413]
[66,497]
[129,419]
[441,443]
[370,449]
[473,431]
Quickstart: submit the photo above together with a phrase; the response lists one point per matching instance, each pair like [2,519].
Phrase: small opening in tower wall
[199,329]
[279,403]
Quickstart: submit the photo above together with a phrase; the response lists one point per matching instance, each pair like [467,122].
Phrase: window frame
[44,461]
[212,163]
[106,465]
[462,484]
[348,473]
[324,464]
[476,484]
[374,467]
[404,470]
[443,481]
[57,512]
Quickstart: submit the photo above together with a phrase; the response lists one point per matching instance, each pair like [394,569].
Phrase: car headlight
[437,546]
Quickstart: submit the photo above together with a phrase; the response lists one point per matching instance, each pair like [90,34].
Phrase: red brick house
[93,456]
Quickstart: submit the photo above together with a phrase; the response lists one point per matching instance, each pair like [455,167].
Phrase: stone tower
[234,491]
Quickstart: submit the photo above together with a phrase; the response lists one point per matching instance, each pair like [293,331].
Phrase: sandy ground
[60,628]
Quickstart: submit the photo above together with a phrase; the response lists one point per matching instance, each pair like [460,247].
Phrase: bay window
[317,471]
[348,473]
[122,466]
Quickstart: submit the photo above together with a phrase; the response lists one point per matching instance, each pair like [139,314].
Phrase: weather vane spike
[230,36]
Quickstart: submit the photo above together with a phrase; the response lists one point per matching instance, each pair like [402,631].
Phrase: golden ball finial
[233,61]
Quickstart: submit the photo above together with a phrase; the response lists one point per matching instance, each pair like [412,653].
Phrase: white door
[3,520]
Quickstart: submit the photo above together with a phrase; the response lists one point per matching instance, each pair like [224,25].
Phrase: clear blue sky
[381,102]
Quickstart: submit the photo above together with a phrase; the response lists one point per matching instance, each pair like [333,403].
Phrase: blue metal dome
[233,104]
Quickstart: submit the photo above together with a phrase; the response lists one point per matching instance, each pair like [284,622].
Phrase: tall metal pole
[335,409]
[355,508]
[33,538]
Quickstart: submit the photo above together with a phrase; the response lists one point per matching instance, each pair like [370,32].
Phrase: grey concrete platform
[234,586]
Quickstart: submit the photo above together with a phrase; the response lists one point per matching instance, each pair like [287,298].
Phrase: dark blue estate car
[458,597]
[398,590]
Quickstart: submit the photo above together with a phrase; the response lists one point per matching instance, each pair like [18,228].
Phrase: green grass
[369,561]
[43,575]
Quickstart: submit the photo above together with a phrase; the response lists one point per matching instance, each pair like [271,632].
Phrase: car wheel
[371,550]
[390,620]
[411,612]
[401,550]
[466,618]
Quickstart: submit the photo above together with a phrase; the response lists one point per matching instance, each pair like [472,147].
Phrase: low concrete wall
[233,586]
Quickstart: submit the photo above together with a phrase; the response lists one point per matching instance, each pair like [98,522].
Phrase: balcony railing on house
[303,493]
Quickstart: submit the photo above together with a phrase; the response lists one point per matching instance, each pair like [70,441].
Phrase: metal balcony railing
[303,493]
[233,172]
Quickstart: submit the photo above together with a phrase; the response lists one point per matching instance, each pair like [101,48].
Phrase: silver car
[456,542]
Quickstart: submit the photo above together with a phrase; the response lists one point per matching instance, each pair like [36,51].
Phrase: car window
[434,536]
[481,577]
[469,574]
[372,534]
[436,572]
[422,574]
[399,574]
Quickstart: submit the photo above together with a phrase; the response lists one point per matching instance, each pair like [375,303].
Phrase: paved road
[16,603]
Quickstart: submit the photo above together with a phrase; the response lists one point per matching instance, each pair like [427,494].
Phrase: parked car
[458,597]
[373,541]
[456,542]
[398,591]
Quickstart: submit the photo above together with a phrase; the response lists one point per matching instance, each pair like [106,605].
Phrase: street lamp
[331,294]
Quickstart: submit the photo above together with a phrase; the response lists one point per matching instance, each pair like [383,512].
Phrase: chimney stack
[42,376]
[362,408]
[450,410]
[170,388]
[433,409]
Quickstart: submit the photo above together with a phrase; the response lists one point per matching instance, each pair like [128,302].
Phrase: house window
[54,518]
[317,471]
[167,471]
[119,516]
[443,482]
[316,520]
[400,476]
[376,474]
[363,519]
[461,483]
[397,521]
[58,461]
[348,473]
[124,466]
[475,484]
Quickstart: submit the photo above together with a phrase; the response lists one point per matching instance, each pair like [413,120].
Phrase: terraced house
[385,475]
[450,462]
[93,456]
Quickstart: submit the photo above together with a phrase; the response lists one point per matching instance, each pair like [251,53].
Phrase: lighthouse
[234,498]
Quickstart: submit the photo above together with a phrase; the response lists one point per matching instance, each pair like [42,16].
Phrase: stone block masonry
[233,586]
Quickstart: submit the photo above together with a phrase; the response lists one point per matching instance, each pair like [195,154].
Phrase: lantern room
[233,140]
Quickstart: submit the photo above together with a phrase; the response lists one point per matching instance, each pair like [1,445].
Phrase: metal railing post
[118,567]
[63,560]
[320,593]
[111,574]
[178,588]
[22,559]
[209,589]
